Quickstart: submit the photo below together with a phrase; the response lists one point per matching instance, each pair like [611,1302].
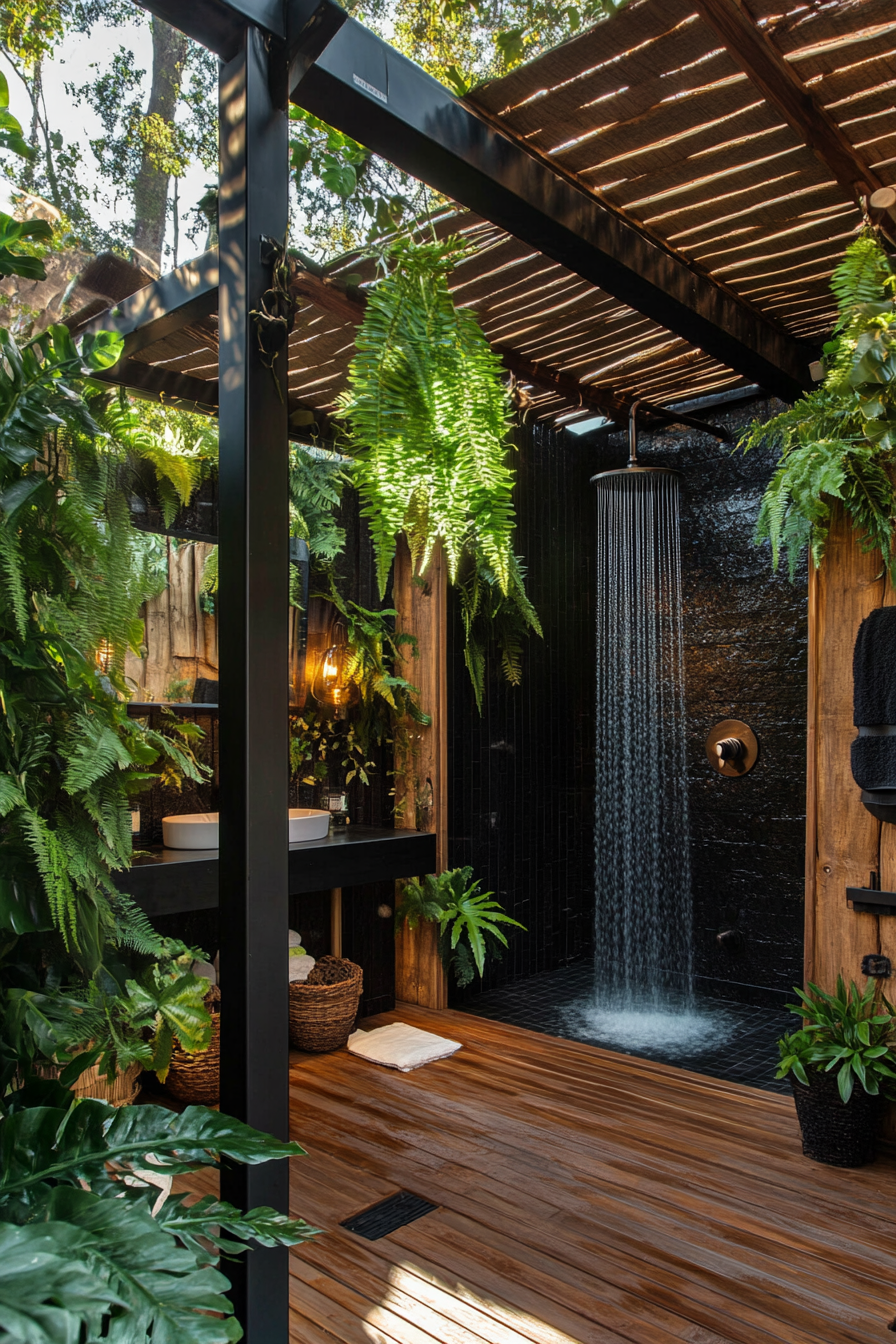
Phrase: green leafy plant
[838,443]
[851,1031]
[87,1248]
[316,482]
[15,233]
[128,1013]
[317,479]
[321,744]
[75,575]
[429,415]
[493,618]
[95,1253]
[469,920]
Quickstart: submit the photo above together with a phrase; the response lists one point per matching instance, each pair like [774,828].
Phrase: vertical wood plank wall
[180,640]
[844,843]
[421,790]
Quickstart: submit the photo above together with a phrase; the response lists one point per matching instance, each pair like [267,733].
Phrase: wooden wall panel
[844,843]
[847,840]
[421,786]
[180,640]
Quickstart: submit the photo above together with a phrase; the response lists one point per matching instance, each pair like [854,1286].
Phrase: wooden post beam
[780,85]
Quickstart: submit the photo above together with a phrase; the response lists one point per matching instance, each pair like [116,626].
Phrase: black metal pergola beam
[187,294]
[352,79]
[180,390]
[355,81]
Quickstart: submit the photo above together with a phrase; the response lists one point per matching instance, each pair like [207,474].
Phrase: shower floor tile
[741,1038]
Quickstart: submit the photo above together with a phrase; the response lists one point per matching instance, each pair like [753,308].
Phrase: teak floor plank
[745,1202]
[583,1198]
[578,1192]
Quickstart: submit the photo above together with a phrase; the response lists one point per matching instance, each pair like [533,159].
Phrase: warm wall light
[332,685]
[104,655]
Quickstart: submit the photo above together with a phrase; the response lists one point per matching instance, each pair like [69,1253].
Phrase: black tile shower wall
[745,658]
[521,801]
[521,776]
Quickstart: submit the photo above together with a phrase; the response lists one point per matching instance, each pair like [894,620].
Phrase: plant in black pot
[842,1067]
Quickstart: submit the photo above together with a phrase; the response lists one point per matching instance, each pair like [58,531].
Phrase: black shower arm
[671,418]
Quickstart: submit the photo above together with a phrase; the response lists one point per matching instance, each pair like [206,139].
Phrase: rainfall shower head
[632,469]
[633,466]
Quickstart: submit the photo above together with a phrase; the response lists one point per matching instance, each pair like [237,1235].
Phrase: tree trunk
[169,52]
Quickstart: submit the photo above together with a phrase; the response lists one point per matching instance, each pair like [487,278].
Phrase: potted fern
[841,1065]
[469,920]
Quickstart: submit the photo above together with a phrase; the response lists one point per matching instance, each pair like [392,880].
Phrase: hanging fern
[492,618]
[838,443]
[429,416]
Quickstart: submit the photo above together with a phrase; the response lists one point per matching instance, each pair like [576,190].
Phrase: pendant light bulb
[332,686]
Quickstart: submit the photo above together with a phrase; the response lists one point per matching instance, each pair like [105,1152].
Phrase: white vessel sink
[199,830]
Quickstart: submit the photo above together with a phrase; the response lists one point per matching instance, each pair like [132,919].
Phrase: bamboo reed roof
[652,114]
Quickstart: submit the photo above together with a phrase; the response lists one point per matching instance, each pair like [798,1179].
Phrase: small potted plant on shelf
[469,920]
[842,1066]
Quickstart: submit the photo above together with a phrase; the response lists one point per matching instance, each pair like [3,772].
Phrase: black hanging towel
[874,712]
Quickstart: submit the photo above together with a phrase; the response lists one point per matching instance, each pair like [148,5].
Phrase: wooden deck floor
[582,1196]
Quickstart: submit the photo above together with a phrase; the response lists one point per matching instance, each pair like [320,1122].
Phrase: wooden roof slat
[624,93]
[836,29]
[645,22]
[655,118]
[670,132]
[812,200]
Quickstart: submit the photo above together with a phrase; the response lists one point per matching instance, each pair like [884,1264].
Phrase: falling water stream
[644,995]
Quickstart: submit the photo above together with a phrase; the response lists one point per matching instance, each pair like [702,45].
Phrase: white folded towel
[299,967]
[400,1046]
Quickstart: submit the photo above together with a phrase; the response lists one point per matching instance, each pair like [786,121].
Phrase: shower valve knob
[732,748]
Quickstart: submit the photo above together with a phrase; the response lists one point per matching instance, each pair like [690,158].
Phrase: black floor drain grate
[389,1215]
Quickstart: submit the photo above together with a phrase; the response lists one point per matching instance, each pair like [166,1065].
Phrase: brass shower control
[732,748]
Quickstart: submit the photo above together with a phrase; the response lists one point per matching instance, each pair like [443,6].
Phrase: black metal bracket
[871,900]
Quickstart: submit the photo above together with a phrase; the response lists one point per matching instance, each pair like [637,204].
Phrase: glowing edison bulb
[332,686]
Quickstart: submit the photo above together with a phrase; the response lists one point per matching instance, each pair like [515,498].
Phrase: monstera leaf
[85,1255]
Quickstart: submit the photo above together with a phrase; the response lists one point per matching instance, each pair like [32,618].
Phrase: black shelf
[171,881]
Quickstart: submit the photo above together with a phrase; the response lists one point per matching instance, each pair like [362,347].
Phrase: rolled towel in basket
[873,753]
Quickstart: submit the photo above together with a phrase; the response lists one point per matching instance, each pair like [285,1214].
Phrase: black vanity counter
[169,881]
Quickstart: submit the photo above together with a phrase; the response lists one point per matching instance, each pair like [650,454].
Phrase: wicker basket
[321,1015]
[836,1133]
[121,1091]
[197,1078]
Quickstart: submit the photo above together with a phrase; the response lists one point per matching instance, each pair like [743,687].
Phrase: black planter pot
[838,1134]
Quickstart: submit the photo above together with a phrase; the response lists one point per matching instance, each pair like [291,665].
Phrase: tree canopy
[155,123]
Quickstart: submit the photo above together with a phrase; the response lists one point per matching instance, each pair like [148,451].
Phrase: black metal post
[253,597]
